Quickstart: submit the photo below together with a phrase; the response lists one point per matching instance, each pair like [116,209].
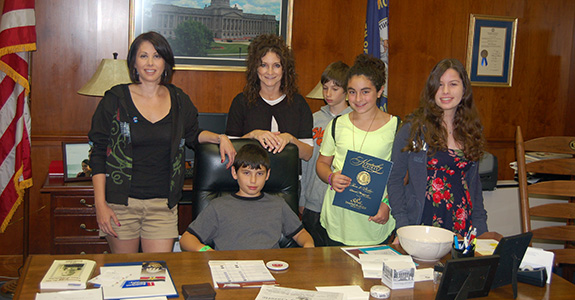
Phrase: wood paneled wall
[542,97]
[73,36]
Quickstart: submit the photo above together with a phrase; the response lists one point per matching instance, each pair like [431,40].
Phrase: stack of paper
[240,273]
[351,292]
[123,281]
[68,274]
[268,292]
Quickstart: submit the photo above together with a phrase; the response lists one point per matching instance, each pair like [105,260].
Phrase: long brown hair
[427,120]
[257,49]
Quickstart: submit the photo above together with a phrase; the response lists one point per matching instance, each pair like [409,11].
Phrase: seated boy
[248,219]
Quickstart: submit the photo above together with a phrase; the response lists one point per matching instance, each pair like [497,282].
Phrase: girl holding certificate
[438,148]
[368,130]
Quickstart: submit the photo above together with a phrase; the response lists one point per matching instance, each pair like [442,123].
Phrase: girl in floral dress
[435,176]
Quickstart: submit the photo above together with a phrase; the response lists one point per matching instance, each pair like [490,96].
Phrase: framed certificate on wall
[491,50]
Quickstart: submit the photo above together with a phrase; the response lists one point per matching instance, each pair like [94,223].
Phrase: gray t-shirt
[232,222]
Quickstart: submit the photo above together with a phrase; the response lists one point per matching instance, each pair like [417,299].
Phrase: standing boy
[248,219]
[333,79]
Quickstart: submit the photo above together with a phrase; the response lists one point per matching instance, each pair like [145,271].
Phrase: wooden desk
[73,225]
[309,268]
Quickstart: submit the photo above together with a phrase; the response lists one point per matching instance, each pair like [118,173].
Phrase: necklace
[366,133]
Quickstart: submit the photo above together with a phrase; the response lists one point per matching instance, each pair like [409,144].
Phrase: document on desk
[351,292]
[240,273]
[372,264]
[354,252]
[130,285]
[89,294]
[270,292]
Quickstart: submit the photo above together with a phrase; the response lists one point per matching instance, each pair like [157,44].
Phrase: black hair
[253,156]
[371,67]
[164,50]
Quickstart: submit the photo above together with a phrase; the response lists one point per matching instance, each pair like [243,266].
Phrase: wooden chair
[563,188]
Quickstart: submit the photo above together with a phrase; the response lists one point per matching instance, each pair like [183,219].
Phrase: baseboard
[9,265]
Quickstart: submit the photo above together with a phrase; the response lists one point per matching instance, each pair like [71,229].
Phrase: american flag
[17,38]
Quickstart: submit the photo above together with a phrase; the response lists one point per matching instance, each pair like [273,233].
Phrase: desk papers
[485,246]
[240,273]
[372,264]
[126,283]
[351,292]
[68,274]
[269,292]
[354,252]
[89,294]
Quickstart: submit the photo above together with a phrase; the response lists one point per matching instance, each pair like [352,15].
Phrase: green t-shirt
[343,225]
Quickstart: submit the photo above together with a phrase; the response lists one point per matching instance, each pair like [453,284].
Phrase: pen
[455,242]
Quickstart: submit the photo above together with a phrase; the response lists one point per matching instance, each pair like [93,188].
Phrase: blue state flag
[376,36]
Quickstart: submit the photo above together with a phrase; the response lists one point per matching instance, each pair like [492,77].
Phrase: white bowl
[425,243]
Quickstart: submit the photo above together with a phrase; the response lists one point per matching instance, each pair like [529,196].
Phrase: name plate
[369,176]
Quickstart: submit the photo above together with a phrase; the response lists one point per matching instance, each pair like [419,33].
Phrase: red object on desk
[56,168]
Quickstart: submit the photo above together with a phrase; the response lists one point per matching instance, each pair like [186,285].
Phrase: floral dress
[447,201]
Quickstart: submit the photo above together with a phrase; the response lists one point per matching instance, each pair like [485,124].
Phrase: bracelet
[220,138]
[205,248]
[329,180]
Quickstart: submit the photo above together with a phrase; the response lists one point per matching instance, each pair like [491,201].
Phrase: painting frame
[136,24]
[496,36]
[73,156]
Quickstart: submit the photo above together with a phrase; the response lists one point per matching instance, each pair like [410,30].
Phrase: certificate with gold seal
[369,176]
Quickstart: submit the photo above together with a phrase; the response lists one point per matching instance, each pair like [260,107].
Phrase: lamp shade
[110,72]
[317,92]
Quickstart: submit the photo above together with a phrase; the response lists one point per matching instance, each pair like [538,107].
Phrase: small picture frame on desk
[76,158]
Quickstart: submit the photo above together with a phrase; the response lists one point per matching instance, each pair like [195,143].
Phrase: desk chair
[213,180]
[563,188]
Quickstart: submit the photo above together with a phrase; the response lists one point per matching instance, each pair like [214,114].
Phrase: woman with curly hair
[270,109]
[438,148]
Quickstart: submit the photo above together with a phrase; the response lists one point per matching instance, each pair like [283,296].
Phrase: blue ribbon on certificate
[369,176]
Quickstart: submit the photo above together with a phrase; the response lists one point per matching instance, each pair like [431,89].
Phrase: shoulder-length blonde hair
[427,120]
[257,49]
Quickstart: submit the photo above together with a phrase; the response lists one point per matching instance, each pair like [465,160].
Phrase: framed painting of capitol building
[211,34]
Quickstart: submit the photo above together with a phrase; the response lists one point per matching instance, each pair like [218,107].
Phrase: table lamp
[110,72]
[317,92]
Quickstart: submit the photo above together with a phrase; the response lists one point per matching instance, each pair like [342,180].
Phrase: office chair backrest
[562,168]
[212,179]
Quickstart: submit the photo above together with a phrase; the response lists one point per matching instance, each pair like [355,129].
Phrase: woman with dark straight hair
[138,133]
